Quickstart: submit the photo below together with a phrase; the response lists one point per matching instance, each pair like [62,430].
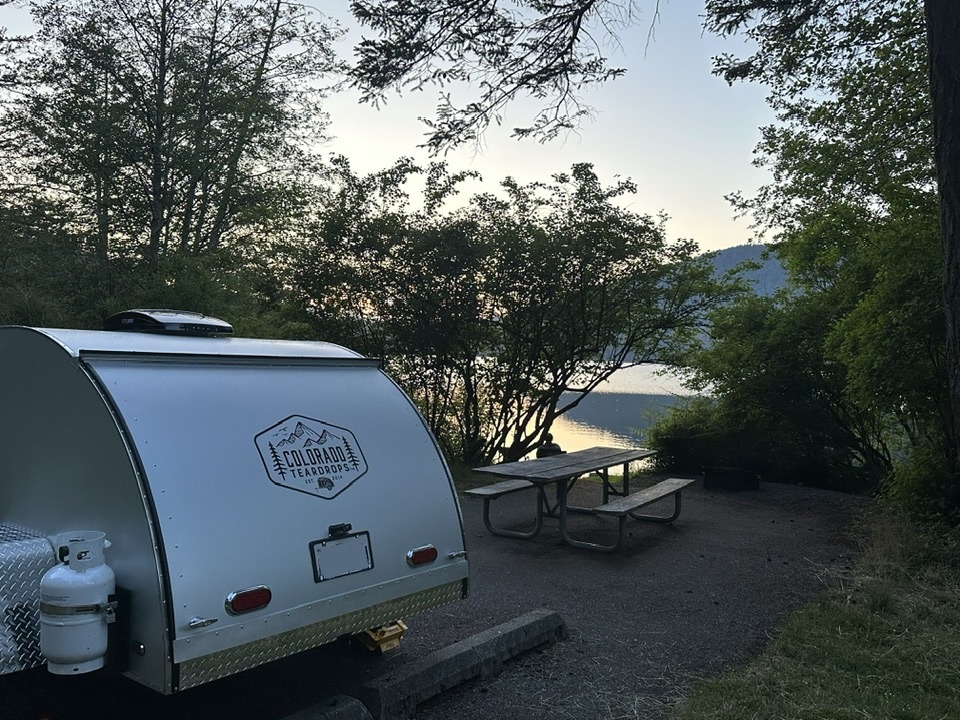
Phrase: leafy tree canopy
[858,347]
[501,315]
[546,51]
[166,126]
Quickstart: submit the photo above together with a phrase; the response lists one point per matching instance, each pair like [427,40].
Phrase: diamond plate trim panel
[24,557]
[221,664]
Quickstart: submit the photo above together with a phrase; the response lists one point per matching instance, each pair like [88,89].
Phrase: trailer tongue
[182,505]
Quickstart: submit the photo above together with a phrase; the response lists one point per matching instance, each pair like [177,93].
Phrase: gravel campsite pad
[675,604]
[679,602]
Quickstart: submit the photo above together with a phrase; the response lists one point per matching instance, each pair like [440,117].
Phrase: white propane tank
[74,604]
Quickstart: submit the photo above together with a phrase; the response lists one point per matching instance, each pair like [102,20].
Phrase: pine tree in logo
[277,464]
[351,456]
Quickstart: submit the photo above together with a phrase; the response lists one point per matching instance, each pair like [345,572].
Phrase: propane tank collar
[49,609]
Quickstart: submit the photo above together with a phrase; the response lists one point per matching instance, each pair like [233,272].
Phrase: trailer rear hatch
[260,497]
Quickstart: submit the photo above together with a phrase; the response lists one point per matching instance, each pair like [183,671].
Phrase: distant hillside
[769,278]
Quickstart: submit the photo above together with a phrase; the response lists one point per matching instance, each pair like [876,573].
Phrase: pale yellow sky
[681,134]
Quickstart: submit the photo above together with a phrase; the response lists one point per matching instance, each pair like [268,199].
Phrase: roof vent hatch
[171,322]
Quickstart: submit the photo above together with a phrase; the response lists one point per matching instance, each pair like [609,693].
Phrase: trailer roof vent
[173,322]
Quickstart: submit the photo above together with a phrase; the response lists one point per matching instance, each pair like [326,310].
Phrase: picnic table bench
[562,471]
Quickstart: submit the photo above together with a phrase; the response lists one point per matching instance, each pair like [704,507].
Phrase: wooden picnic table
[562,471]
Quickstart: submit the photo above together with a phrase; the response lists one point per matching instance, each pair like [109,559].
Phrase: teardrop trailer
[180,504]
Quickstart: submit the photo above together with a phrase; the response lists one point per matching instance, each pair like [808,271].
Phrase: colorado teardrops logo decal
[311,456]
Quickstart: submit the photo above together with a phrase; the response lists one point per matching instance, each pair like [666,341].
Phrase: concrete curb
[396,695]
[341,707]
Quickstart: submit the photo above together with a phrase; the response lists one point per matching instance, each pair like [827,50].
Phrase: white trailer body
[259,497]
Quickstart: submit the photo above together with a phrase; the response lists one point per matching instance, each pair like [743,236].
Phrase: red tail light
[421,555]
[244,601]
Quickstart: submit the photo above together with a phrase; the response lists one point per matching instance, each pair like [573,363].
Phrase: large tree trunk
[943,41]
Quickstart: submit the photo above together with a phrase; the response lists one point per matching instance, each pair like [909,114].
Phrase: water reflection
[647,379]
[611,420]
[573,435]
[620,410]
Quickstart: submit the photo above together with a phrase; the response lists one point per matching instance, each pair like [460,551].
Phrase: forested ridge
[756,263]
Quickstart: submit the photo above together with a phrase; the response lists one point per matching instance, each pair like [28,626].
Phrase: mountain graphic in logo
[304,436]
[315,457]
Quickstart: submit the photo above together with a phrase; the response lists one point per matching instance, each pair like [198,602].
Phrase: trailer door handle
[200,622]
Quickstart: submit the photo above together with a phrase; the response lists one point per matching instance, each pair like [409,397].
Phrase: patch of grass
[884,643]
[464,478]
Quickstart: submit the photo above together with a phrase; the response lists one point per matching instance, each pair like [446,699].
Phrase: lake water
[618,411]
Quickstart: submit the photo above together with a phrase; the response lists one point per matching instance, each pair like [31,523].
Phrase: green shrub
[702,432]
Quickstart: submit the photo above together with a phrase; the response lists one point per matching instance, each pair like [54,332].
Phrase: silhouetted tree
[500,316]
[550,52]
[277,462]
[167,126]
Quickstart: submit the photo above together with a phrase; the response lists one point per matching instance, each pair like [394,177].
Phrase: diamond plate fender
[24,557]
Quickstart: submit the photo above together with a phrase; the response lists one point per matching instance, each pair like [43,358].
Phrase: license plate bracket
[337,556]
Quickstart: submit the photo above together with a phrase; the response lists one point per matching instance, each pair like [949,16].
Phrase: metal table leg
[658,518]
[521,534]
[572,541]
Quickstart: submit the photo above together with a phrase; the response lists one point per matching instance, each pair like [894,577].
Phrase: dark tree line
[552,51]
[147,145]
[501,315]
[164,154]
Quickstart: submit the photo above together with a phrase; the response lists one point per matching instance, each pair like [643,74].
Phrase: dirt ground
[678,603]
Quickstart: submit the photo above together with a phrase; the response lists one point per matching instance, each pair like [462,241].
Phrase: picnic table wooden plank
[571,464]
[500,488]
[563,470]
[634,501]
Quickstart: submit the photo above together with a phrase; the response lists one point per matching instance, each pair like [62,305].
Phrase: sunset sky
[680,133]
